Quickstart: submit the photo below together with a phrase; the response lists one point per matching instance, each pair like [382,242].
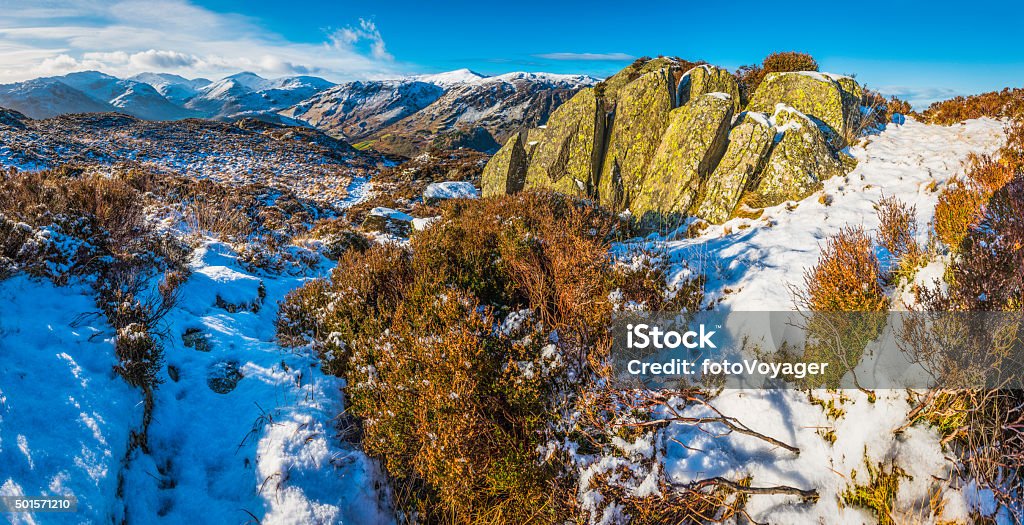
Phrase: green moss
[814,94]
[688,151]
[749,143]
[567,153]
[641,118]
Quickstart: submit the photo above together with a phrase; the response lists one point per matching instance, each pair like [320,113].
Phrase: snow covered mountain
[47,97]
[360,109]
[248,93]
[403,116]
[175,88]
[135,98]
[458,108]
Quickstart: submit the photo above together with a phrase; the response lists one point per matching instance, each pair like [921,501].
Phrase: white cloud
[348,37]
[591,57]
[126,37]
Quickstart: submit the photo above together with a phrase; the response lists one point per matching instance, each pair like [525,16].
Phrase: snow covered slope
[356,110]
[45,98]
[175,88]
[752,265]
[241,424]
[65,416]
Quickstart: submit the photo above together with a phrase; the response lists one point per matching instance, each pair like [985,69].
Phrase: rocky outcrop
[688,152]
[705,79]
[663,144]
[800,160]
[641,118]
[812,93]
[505,173]
[749,142]
[568,158]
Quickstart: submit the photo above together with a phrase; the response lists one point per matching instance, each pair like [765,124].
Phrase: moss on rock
[705,79]
[567,154]
[799,161]
[749,142]
[505,173]
[814,94]
[641,118]
[687,153]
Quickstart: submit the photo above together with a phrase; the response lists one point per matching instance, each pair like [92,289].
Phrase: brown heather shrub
[897,233]
[465,354]
[847,276]
[789,61]
[961,203]
[995,104]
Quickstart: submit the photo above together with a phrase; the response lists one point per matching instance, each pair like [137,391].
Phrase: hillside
[243,321]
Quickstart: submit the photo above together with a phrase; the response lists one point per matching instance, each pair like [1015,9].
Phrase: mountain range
[454,109]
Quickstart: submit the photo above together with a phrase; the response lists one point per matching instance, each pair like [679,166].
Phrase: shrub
[460,354]
[847,276]
[749,77]
[897,233]
[879,491]
[995,104]
[961,203]
[789,61]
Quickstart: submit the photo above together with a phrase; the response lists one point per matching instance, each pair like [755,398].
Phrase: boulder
[800,160]
[749,142]
[388,221]
[442,191]
[505,172]
[567,155]
[705,79]
[688,152]
[641,118]
[815,94]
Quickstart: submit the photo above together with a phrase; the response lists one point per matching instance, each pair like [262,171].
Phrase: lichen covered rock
[505,173]
[800,160]
[640,119]
[687,153]
[609,88]
[568,153]
[749,142]
[705,79]
[814,94]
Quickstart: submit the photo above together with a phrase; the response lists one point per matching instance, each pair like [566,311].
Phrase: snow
[450,190]
[450,78]
[57,369]
[391,213]
[268,446]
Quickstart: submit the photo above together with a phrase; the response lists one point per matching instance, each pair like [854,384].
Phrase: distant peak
[458,76]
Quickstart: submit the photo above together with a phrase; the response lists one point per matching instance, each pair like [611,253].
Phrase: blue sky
[920,50]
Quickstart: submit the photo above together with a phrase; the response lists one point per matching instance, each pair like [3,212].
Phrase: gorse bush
[461,353]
